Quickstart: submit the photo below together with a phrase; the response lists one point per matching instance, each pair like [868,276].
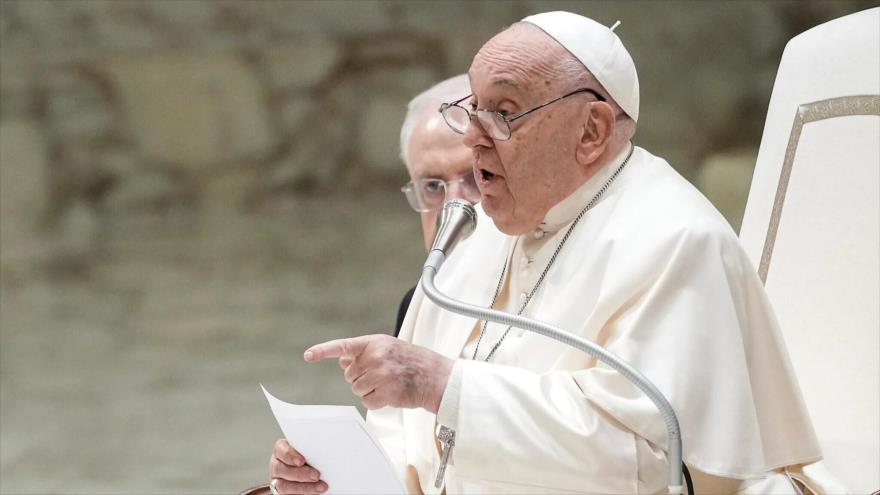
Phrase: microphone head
[457,220]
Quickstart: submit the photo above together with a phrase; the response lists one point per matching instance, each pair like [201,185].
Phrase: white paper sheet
[335,441]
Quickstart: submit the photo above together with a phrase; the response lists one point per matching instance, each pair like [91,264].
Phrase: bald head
[522,57]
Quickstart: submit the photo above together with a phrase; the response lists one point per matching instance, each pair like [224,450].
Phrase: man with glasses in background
[438,163]
[601,238]
[440,169]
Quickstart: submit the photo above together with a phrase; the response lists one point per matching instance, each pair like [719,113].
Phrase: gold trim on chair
[843,106]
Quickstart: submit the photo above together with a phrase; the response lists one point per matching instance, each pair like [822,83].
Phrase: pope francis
[600,237]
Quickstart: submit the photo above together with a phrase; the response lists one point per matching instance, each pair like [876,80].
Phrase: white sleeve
[447,414]
[386,425]
[517,426]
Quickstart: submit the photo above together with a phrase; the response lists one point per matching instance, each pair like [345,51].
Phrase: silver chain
[549,263]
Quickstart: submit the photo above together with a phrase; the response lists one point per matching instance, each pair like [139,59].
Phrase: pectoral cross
[447,440]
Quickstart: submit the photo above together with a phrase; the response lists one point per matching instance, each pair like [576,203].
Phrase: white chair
[812,229]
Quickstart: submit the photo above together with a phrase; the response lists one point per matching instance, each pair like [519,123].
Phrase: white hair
[429,101]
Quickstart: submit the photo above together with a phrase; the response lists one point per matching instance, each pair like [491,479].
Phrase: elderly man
[599,237]
[438,163]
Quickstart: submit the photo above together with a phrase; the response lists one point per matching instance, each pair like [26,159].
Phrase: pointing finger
[337,348]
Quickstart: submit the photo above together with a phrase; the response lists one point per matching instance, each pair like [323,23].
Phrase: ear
[597,131]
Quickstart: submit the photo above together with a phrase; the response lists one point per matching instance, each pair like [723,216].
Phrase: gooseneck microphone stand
[457,221]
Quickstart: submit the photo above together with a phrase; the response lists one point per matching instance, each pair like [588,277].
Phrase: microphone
[457,221]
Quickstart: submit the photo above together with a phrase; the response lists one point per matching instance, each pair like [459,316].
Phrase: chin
[502,211]
[505,223]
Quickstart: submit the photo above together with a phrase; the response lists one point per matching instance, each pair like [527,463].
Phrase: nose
[475,135]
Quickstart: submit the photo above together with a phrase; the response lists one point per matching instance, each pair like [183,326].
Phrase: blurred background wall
[191,192]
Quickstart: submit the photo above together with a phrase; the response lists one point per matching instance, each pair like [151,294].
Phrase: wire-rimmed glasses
[496,125]
[430,194]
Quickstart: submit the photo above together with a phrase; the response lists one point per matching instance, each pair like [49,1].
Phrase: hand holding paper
[385,371]
[294,475]
[328,449]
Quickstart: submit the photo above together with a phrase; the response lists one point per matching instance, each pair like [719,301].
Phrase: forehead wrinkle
[506,81]
[515,62]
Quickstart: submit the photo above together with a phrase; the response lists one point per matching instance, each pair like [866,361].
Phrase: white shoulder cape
[657,276]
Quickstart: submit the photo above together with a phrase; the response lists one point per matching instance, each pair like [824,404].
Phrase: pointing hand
[385,371]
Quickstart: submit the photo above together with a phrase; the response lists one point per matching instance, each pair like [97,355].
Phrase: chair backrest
[812,229]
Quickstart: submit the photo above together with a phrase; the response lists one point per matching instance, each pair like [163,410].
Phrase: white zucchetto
[600,50]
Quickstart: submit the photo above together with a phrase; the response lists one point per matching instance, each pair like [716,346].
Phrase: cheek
[523,161]
[545,152]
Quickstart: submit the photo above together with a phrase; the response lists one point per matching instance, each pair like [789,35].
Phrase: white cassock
[654,274]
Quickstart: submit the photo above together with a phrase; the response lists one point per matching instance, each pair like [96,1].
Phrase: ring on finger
[273,486]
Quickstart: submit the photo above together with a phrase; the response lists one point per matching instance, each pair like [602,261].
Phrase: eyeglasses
[496,124]
[430,194]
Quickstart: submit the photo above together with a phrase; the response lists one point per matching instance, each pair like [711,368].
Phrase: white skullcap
[600,50]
